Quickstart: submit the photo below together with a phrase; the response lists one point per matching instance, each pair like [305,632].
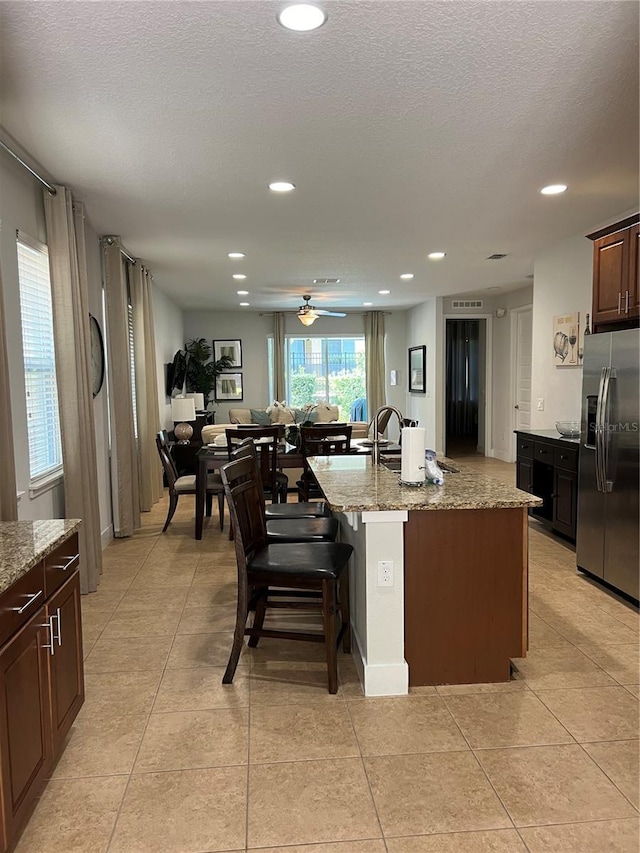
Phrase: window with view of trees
[331,369]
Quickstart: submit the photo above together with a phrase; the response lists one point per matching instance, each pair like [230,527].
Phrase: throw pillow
[303,416]
[259,416]
[286,415]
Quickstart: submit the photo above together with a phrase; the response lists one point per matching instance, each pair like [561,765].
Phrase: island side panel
[465,594]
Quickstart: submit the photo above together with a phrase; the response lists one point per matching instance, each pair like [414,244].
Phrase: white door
[522,329]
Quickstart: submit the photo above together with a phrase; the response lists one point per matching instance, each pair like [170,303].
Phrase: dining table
[212,457]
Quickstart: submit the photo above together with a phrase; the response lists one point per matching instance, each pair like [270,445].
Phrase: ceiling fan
[308,314]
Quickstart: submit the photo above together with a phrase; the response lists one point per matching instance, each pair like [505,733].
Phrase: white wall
[562,284]
[168,325]
[425,325]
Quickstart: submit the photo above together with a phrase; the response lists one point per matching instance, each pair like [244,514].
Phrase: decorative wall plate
[97,355]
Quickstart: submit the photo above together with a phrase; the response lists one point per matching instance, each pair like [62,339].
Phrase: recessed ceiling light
[553,189]
[242,292]
[367,303]
[302,17]
[240,276]
[436,256]
[235,255]
[244,304]
[384,292]
[407,275]
[281,186]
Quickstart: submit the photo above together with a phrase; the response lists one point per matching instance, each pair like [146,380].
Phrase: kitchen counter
[24,543]
[354,484]
[549,433]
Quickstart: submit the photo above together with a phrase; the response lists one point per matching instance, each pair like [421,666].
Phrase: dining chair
[266,439]
[186,484]
[301,576]
[323,440]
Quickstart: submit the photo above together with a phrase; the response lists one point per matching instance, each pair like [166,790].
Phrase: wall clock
[97,355]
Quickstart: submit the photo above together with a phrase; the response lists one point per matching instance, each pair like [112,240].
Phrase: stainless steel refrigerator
[608,507]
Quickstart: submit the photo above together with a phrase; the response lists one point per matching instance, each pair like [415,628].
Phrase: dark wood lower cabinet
[565,502]
[524,475]
[41,692]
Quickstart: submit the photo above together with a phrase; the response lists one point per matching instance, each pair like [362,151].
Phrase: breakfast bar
[439,577]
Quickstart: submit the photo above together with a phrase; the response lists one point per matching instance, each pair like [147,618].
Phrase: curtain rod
[111,240]
[51,188]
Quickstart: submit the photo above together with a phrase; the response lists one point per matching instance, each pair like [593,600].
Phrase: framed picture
[418,369]
[229,386]
[231,348]
[568,341]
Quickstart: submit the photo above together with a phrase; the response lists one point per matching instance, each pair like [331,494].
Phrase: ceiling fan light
[307,318]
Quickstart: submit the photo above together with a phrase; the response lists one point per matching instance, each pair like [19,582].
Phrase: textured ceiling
[407,127]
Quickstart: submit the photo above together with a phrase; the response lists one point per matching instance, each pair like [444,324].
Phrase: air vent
[466,303]
[496,257]
[326,280]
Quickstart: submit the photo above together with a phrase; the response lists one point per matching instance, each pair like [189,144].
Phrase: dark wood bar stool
[274,482]
[324,440]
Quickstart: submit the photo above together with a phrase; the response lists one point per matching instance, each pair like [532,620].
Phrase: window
[318,369]
[43,421]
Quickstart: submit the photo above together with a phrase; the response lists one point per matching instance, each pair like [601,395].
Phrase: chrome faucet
[375,450]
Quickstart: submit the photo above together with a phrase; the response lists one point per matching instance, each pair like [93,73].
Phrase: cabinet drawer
[566,457]
[543,452]
[61,564]
[525,447]
[20,601]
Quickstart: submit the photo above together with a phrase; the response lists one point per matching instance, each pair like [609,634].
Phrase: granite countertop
[549,433]
[354,484]
[24,543]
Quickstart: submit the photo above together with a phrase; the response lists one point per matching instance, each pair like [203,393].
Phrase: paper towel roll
[414,440]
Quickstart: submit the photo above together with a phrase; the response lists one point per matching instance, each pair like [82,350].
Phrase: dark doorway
[463,395]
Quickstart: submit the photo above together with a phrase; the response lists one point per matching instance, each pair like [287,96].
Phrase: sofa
[280,414]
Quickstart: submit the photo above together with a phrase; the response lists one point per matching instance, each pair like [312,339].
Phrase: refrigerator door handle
[598,428]
[607,485]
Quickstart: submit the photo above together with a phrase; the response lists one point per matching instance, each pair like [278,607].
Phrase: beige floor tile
[147,622]
[189,739]
[560,667]
[200,688]
[75,816]
[516,685]
[634,689]
[405,725]
[187,811]
[439,792]
[309,801]
[619,760]
[622,610]
[579,625]
[134,655]
[622,662]
[85,753]
[290,683]
[301,732]
[103,600]
[202,620]
[95,621]
[215,573]
[115,694]
[164,576]
[271,650]
[491,841]
[191,650]
[542,635]
[506,719]
[218,594]
[172,598]
[371,846]
[116,578]
[594,713]
[552,784]
[607,836]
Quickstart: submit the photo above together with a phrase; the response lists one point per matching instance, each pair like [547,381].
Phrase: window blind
[43,421]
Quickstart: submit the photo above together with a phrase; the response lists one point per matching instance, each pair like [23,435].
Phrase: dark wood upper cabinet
[616,296]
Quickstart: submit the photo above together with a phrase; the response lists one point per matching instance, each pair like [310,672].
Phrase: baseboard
[389,679]
[106,537]
[501,455]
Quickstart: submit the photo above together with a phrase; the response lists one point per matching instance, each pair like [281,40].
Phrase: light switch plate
[541,404]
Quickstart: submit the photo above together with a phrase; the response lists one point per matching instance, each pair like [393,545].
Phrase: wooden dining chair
[266,439]
[299,576]
[320,440]
[186,484]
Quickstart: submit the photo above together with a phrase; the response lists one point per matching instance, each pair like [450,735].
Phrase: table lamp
[183,409]
[198,399]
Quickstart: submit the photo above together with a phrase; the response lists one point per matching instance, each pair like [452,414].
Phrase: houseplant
[201,372]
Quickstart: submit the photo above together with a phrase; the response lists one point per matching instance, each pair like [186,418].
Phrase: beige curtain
[147,408]
[374,358]
[69,288]
[124,453]
[8,498]
[278,356]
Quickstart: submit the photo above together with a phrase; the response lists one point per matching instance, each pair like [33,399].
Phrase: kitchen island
[439,576]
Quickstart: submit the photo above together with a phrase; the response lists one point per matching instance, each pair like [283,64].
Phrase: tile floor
[164,759]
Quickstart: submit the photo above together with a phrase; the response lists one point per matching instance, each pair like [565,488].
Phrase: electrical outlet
[385,572]
[541,404]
